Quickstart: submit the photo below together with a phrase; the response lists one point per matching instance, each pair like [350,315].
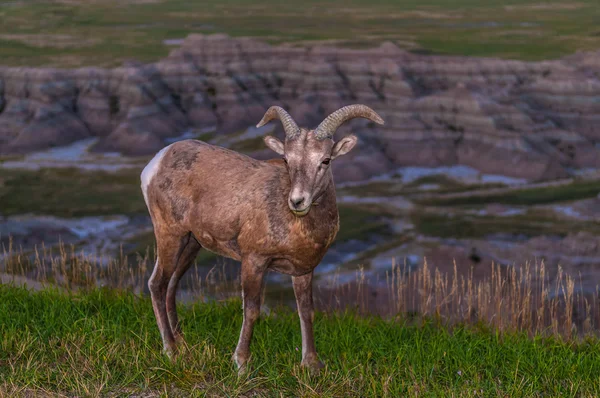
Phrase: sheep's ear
[274,144]
[343,146]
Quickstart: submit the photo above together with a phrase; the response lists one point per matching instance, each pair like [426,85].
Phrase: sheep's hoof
[170,352]
[241,362]
[243,370]
[312,364]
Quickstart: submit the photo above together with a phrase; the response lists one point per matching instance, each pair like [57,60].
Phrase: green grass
[103,342]
[358,222]
[527,196]
[396,188]
[104,33]
[248,145]
[377,188]
[70,192]
[206,137]
[462,226]
[438,179]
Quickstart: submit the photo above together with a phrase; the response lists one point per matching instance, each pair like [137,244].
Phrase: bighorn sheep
[256,212]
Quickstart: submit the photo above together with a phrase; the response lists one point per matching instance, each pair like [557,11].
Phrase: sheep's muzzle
[301,213]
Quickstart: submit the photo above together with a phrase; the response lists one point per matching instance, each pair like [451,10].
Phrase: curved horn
[328,126]
[277,112]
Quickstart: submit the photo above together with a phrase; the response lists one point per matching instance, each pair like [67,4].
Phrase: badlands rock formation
[534,120]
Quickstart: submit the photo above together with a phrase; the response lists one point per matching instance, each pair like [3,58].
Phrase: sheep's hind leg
[304,300]
[185,260]
[170,249]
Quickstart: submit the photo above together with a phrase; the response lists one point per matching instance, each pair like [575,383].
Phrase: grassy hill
[105,342]
[107,32]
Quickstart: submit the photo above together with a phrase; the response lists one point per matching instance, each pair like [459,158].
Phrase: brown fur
[233,204]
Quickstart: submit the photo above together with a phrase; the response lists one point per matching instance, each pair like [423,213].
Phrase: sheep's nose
[296,202]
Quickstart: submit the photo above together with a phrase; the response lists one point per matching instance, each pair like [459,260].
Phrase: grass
[438,179]
[105,33]
[105,342]
[520,331]
[359,222]
[206,137]
[70,192]
[248,145]
[376,188]
[445,185]
[473,226]
[529,298]
[524,196]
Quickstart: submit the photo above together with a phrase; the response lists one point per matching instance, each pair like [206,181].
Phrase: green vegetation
[105,33]
[248,145]
[10,157]
[377,188]
[206,137]
[438,179]
[106,342]
[396,188]
[461,226]
[70,192]
[357,222]
[526,196]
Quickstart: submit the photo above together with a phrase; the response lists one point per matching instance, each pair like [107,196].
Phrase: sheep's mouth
[301,213]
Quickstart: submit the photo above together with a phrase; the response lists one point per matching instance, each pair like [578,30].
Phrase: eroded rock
[533,120]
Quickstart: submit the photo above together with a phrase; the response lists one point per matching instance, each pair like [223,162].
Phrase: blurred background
[490,152]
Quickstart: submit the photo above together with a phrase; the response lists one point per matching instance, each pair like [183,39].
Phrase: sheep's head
[308,153]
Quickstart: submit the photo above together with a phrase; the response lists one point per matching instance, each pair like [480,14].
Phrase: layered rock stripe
[533,120]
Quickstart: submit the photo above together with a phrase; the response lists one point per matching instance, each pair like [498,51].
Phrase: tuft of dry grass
[529,298]
[525,298]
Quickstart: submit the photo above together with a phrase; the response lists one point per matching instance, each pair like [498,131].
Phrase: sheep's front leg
[306,312]
[253,271]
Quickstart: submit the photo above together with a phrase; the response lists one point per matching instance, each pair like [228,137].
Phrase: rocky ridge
[533,120]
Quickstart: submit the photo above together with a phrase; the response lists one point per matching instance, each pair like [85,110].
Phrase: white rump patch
[150,170]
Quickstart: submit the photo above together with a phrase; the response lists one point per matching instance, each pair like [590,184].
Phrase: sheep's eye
[326,161]
[284,160]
